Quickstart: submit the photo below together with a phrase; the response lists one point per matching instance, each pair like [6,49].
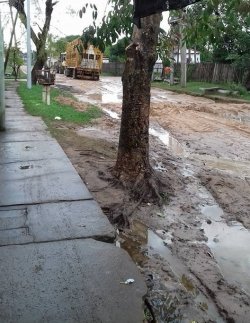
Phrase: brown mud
[194,251]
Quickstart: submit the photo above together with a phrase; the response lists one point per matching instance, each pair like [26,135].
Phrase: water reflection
[167,139]
[142,243]
[230,246]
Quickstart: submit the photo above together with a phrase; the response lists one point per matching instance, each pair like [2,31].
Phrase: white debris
[58,118]
[128,281]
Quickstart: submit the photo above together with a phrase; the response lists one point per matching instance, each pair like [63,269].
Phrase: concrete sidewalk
[57,259]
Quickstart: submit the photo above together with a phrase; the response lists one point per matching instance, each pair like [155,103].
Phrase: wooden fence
[216,73]
[113,68]
[202,72]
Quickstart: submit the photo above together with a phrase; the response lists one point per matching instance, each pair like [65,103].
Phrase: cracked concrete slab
[54,222]
[26,125]
[53,282]
[33,182]
[25,151]
[25,136]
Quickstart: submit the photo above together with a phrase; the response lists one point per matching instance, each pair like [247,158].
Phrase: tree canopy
[223,28]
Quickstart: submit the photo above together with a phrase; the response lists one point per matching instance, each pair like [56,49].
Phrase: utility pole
[2,94]
[28,47]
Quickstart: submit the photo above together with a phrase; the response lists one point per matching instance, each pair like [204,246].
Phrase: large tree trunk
[40,39]
[132,165]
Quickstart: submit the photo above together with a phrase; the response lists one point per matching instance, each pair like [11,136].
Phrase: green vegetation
[32,100]
[221,26]
[195,88]
[9,74]
[14,61]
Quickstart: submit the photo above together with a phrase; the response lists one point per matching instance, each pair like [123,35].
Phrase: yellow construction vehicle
[83,63]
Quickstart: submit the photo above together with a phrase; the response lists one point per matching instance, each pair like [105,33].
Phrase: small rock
[209,221]
[165,269]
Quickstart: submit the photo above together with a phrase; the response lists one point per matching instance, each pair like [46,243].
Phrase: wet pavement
[58,263]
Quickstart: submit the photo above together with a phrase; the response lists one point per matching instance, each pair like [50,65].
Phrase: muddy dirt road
[195,251]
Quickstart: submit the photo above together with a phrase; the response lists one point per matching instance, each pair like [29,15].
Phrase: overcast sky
[64,20]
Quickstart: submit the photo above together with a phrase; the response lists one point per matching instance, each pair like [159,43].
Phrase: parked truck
[60,64]
[83,63]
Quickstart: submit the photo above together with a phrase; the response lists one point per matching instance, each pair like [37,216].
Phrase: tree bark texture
[40,39]
[132,163]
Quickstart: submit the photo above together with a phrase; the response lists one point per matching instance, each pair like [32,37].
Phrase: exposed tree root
[146,188]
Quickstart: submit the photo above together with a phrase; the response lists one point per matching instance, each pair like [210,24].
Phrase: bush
[238,88]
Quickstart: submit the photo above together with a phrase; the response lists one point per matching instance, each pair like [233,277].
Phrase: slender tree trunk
[40,39]
[132,165]
[10,43]
[13,25]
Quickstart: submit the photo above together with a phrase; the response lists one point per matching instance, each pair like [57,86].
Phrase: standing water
[144,243]
[230,246]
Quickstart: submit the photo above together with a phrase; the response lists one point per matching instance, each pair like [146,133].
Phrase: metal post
[2,94]
[28,47]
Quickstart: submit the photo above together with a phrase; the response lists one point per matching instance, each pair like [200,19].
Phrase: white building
[190,55]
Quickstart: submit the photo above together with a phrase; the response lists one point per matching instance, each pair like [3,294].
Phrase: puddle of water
[111,97]
[167,139]
[230,246]
[111,93]
[112,114]
[98,98]
[187,171]
[144,243]
[86,98]
[241,118]
[212,212]
[233,166]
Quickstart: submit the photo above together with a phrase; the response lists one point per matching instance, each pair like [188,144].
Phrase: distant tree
[222,28]
[118,51]
[15,61]
[55,45]
[40,38]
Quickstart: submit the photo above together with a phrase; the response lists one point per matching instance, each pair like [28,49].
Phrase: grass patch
[194,88]
[32,100]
